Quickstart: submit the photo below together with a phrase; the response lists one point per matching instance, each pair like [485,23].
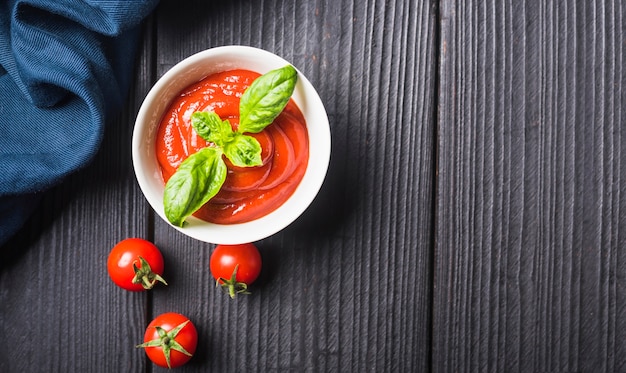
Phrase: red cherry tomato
[170,340]
[234,267]
[135,264]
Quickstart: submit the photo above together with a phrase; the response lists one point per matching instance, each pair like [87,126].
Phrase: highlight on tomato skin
[235,267]
[135,264]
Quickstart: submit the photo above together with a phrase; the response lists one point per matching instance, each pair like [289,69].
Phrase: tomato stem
[231,286]
[167,342]
[145,276]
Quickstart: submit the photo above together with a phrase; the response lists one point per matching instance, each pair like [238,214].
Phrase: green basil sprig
[201,176]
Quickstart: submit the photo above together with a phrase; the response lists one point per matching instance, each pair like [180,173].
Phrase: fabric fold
[60,77]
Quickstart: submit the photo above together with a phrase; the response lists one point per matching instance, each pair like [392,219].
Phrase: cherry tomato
[135,264]
[234,267]
[170,340]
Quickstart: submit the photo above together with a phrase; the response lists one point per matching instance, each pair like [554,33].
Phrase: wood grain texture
[59,312]
[529,259]
[346,287]
[524,271]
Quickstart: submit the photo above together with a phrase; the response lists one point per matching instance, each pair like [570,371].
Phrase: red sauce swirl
[249,192]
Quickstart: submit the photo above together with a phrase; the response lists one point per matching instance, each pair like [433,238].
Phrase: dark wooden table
[473,217]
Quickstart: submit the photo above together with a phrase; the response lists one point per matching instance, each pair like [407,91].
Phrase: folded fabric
[65,65]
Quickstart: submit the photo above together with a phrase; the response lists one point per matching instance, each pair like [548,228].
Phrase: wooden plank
[346,287]
[59,310]
[529,257]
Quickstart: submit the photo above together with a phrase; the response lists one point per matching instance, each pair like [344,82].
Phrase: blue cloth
[65,65]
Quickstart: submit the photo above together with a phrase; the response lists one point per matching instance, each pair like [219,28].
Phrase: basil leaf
[243,151]
[197,180]
[211,127]
[266,98]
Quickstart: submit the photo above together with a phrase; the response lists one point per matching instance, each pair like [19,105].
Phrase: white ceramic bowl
[193,69]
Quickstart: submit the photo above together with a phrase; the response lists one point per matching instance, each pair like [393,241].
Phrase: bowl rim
[194,68]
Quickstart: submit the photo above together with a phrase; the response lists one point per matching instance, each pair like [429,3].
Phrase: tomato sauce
[248,192]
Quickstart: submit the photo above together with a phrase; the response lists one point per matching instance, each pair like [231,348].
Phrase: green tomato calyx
[167,342]
[231,286]
[145,276]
